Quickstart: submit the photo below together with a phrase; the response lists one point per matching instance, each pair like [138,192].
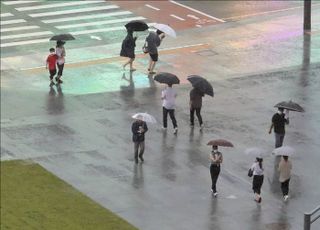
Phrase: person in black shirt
[279,120]
[139,128]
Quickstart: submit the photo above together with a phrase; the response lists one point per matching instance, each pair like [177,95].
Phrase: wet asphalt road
[81,133]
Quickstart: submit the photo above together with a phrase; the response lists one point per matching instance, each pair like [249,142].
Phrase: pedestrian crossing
[26,23]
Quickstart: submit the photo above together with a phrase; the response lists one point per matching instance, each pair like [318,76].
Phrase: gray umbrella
[167,78]
[290,105]
[62,37]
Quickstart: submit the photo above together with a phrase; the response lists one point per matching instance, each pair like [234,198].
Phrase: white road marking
[73,11]
[199,26]
[99,22]
[96,37]
[12,21]
[26,35]
[17,2]
[152,7]
[86,17]
[62,4]
[197,11]
[24,42]
[177,17]
[267,12]
[18,28]
[192,16]
[6,15]
[97,30]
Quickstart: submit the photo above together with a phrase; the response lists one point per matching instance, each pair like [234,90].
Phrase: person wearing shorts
[153,41]
[51,64]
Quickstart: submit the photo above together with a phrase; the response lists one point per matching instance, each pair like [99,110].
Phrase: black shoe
[141,158]
[59,81]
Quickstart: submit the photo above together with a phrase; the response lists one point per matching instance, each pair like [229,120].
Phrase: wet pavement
[81,130]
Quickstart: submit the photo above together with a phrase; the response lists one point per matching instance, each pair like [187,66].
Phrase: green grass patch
[33,198]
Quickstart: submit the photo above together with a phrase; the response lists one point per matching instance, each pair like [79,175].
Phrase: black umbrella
[290,105]
[62,37]
[201,84]
[137,25]
[167,78]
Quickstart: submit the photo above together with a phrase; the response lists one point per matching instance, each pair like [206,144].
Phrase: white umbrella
[256,152]
[144,117]
[283,151]
[166,29]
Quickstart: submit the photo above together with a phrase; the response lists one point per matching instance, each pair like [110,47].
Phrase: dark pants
[257,183]
[52,73]
[165,117]
[285,187]
[198,110]
[214,172]
[60,69]
[138,148]
[279,137]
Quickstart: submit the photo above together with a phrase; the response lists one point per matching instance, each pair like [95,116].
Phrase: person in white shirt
[61,53]
[284,169]
[168,96]
[257,181]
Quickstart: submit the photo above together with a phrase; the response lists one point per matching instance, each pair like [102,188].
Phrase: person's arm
[135,128]
[271,126]
[163,95]
[221,158]
[145,127]
[211,157]
[286,117]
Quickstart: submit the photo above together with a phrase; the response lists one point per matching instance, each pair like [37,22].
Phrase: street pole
[307,16]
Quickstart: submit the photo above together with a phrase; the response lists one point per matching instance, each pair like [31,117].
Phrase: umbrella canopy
[220,142]
[290,105]
[166,29]
[256,152]
[144,117]
[167,78]
[137,25]
[202,84]
[283,151]
[62,37]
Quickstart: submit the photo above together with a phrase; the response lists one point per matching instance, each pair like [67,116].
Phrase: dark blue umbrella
[201,84]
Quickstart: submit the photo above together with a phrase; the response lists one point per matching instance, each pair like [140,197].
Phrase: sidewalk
[83,134]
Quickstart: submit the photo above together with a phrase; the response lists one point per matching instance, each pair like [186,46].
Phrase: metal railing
[307,218]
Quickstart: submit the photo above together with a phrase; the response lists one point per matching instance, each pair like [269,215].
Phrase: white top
[256,169]
[284,170]
[168,96]
[61,53]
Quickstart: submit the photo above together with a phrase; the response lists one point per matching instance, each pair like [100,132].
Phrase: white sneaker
[164,128]
[285,198]
[201,127]
[175,130]
[215,194]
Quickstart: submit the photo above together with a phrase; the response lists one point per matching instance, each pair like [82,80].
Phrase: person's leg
[141,151]
[60,71]
[165,117]
[215,171]
[192,116]
[281,139]
[285,187]
[136,149]
[131,64]
[277,140]
[52,73]
[198,113]
[173,118]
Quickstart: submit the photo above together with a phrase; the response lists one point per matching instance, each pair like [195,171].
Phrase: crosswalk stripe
[26,35]
[18,28]
[6,15]
[26,8]
[17,2]
[99,22]
[87,17]
[97,30]
[12,21]
[36,41]
[73,11]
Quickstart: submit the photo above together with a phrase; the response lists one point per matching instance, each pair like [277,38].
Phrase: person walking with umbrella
[168,96]
[216,159]
[138,128]
[257,169]
[279,120]
[195,106]
[152,43]
[127,49]
[284,168]
[61,53]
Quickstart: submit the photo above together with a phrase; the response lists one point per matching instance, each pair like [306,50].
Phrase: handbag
[250,172]
[145,48]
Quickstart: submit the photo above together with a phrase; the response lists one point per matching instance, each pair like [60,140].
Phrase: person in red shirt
[52,64]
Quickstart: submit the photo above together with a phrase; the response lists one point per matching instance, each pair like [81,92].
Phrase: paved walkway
[81,131]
